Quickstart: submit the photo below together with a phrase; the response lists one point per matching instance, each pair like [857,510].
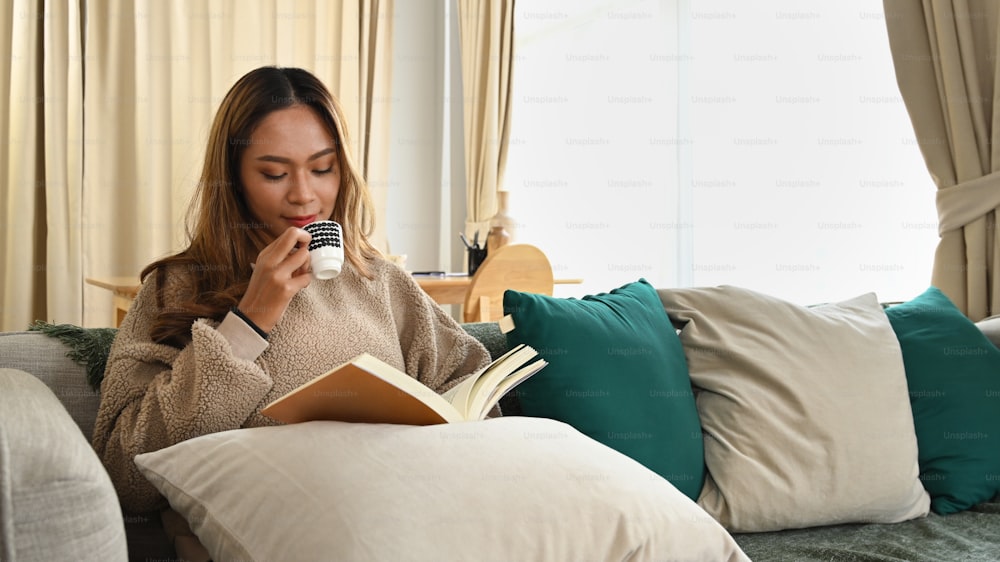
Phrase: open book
[367,389]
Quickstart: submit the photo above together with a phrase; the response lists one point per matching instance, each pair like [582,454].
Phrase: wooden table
[450,288]
[123,289]
[444,289]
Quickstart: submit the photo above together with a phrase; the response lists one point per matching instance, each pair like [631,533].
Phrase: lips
[301,221]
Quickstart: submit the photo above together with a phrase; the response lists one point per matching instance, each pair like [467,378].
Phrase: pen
[465,240]
[475,240]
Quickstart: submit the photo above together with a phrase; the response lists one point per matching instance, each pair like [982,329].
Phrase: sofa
[56,502]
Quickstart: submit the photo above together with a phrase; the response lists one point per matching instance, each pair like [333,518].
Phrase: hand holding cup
[279,272]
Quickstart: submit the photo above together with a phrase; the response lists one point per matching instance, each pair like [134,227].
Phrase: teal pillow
[616,373]
[953,374]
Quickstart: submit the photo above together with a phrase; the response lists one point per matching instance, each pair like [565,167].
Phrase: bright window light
[760,144]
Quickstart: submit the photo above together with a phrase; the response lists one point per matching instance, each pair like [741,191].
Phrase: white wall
[414,206]
[426,192]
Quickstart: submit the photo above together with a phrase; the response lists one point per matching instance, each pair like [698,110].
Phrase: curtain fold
[40,162]
[946,60]
[156,73]
[374,94]
[63,132]
[486,38]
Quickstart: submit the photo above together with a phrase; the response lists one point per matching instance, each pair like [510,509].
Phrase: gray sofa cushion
[991,328]
[45,357]
[56,500]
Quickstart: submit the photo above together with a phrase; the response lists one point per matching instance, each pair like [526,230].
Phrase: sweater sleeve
[155,395]
[436,349]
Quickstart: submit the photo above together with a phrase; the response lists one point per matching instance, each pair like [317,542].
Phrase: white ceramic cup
[326,249]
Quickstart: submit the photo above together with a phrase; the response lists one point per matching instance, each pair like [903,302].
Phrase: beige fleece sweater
[155,395]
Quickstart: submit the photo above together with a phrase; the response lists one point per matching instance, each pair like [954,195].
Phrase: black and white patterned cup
[326,249]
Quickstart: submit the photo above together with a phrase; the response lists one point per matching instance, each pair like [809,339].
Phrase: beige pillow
[500,489]
[56,500]
[805,411]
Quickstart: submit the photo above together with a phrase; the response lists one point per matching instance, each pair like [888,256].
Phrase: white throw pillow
[805,411]
[500,489]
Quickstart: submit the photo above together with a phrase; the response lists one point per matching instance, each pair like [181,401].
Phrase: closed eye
[322,172]
[273,178]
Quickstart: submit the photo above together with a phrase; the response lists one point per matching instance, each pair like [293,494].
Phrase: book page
[488,397]
[449,394]
[491,377]
[460,395]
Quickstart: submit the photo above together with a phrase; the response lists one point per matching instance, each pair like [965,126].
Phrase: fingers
[287,252]
[281,271]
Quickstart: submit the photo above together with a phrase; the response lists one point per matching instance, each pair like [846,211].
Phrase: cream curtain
[486,37]
[40,162]
[945,55]
[156,72]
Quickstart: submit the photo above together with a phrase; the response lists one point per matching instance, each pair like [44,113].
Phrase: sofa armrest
[47,359]
[488,334]
[56,500]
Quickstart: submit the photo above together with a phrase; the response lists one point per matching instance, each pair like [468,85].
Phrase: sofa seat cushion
[805,410]
[500,489]
[56,500]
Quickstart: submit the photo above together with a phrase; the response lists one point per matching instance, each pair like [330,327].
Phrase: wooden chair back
[521,267]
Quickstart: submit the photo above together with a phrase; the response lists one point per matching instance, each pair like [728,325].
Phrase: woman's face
[290,170]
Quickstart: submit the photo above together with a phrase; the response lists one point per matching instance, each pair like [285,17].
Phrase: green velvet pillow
[616,373]
[953,374]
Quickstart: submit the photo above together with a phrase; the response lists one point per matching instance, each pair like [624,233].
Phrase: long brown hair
[224,236]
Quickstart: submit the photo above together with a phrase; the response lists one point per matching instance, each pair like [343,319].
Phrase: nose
[299,189]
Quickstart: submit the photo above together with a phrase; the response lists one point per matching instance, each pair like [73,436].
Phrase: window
[758,144]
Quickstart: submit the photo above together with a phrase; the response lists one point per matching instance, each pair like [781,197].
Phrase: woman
[235,321]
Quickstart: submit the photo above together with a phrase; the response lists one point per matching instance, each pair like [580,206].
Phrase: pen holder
[476,257]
